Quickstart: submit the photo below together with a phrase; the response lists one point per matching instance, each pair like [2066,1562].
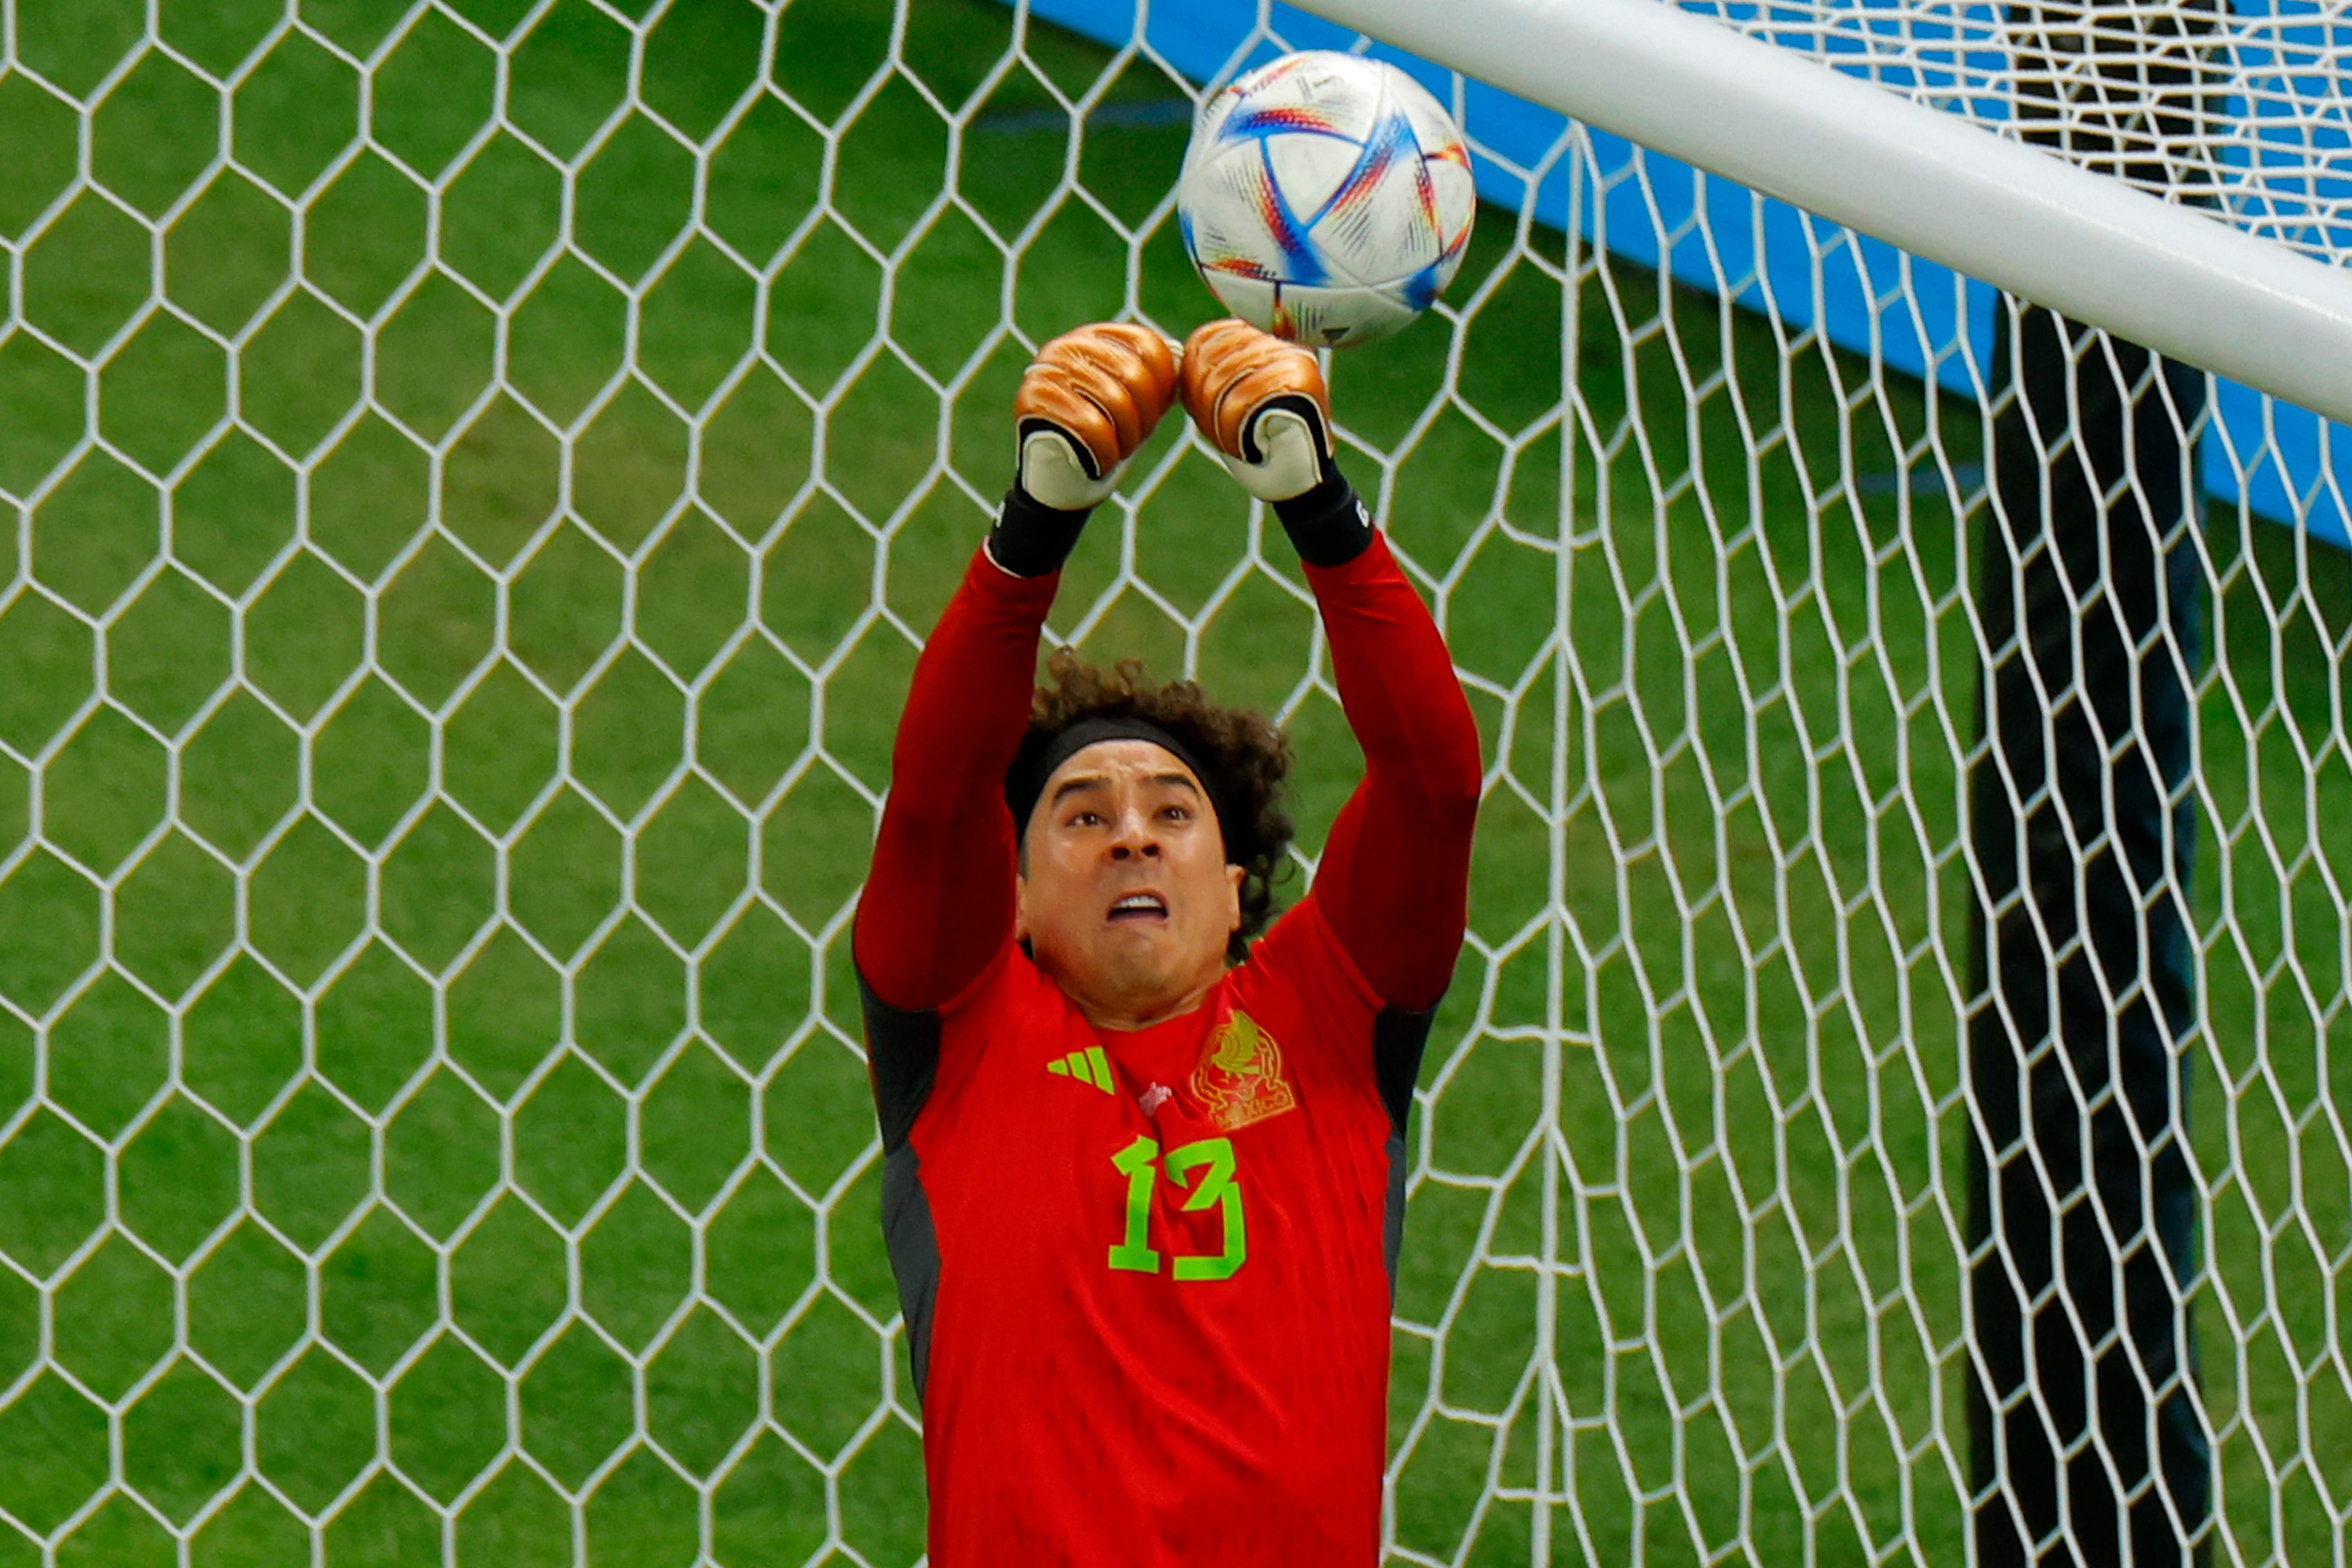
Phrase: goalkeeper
[1143,1183]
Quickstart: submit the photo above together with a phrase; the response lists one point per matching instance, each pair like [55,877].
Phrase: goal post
[475,474]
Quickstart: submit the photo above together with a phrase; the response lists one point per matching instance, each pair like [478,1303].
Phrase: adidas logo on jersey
[1089,1065]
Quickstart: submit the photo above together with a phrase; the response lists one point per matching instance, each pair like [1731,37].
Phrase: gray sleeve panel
[914,1248]
[902,1059]
[902,1056]
[1398,1040]
[1392,1219]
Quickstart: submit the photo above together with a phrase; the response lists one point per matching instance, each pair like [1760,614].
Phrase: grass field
[440,730]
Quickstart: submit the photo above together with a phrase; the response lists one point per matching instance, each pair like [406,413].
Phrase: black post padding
[2087,1445]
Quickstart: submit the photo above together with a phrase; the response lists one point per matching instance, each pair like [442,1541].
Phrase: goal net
[478,472]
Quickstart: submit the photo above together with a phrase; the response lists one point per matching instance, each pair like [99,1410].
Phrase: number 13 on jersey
[1217,1187]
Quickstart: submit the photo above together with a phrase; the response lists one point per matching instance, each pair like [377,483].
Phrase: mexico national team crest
[1239,1079]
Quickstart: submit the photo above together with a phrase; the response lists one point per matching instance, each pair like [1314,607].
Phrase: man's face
[1125,898]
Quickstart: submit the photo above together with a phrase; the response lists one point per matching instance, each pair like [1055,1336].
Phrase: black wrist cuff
[1031,538]
[1329,526]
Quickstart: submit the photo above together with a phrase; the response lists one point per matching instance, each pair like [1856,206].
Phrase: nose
[1136,841]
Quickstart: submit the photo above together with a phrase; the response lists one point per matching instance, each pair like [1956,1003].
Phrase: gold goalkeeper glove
[1260,402]
[1088,400]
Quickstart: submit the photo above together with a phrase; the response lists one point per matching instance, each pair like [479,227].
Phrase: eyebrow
[1081,782]
[1095,781]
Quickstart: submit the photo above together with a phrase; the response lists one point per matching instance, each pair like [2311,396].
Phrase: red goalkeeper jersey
[1147,1274]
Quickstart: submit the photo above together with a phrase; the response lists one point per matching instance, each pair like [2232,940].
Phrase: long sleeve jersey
[1147,1274]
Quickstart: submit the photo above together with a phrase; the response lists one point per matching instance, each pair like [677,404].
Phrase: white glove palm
[1085,403]
[1261,403]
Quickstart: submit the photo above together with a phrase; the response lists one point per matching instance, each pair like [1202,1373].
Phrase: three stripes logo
[1089,1065]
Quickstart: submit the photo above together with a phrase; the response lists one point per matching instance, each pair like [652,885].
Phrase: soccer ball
[1326,198]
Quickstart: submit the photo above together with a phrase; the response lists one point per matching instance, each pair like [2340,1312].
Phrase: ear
[1021,907]
[1233,875]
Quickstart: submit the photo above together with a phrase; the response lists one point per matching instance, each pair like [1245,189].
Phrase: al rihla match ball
[1326,198]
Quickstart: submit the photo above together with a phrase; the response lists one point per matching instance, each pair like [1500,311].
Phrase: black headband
[1042,755]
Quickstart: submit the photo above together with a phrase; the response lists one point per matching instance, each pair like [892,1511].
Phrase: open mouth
[1139,907]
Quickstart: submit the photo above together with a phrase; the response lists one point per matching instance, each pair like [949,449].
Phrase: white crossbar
[2087,246]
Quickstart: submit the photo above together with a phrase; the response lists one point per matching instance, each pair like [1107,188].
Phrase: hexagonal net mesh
[479,471]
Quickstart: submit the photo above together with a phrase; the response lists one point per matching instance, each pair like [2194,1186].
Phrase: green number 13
[1218,1187]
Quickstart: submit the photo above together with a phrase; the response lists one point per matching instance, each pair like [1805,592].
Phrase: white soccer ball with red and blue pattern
[1326,198]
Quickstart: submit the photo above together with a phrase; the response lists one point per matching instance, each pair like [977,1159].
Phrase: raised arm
[939,900]
[1394,878]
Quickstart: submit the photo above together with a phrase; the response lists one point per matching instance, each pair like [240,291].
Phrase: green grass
[431,801]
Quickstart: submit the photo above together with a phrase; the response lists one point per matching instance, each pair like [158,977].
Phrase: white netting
[479,470]
[2242,107]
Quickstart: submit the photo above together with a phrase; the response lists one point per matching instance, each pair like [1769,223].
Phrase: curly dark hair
[1246,754]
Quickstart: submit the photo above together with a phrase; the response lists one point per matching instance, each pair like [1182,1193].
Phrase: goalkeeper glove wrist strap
[1328,524]
[1031,538]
